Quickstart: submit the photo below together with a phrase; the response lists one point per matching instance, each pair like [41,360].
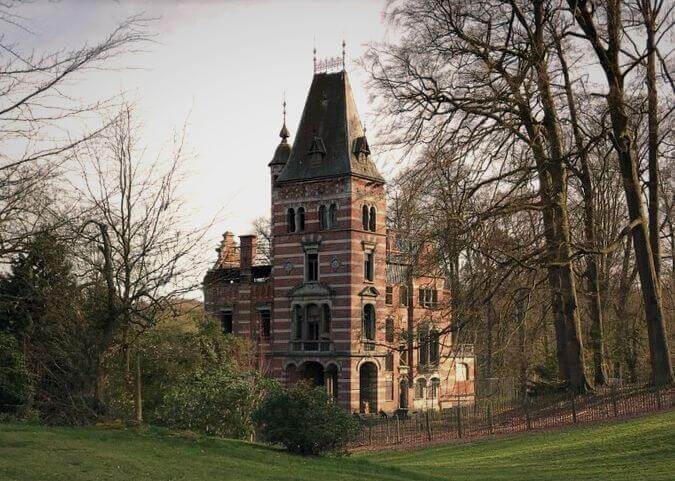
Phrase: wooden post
[658,397]
[614,401]
[489,416]
[527,413]
[428,426]
[574,409]
[459,421]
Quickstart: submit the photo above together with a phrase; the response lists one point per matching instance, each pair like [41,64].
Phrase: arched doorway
[403,394]
[368,388]
[313,372]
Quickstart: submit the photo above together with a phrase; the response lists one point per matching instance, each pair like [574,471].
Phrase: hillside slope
[637,449]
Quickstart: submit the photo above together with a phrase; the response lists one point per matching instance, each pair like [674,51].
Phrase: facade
[334,301]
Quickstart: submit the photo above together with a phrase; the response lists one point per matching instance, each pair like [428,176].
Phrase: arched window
[312,330]
[323,218]
[290,220]
[369,322]
[365,217]
[403,295]
[325,321]
[461,372]
[301,219]
[389,330]
[423,349]
[434,386]
[373,217]
[434,347]
[297,322]
[333,215]
[420,388]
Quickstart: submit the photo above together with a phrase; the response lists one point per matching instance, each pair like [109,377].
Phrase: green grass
[638,449]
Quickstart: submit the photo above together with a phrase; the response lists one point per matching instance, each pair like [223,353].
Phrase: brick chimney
[248,250]
[228,255]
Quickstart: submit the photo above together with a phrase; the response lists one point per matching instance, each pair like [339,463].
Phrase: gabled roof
[330,140]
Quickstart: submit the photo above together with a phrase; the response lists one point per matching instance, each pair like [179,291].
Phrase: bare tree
[603,29]
[40,115]
[146,253]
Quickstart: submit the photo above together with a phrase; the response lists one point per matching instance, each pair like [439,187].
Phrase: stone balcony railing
[312,346]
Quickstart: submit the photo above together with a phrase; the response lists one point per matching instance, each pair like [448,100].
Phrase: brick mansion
[334,302]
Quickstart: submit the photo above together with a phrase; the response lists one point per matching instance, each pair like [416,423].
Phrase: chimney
[228,256]
[248,244]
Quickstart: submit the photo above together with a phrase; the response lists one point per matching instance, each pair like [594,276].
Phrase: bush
[218,401]
[16,385]
[305,420]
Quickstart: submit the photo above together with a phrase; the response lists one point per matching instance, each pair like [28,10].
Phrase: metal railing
[311,346]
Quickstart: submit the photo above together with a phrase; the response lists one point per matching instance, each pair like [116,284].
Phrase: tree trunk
[592,275]
[554,170]
[138,393]
[653,137]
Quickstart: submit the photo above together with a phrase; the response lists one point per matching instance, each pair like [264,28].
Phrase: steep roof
[330,140]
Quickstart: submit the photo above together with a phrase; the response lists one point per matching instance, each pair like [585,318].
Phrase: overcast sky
[224,66]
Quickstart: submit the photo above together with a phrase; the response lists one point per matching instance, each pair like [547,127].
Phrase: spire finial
[284,107]
[284,134]
[343,53]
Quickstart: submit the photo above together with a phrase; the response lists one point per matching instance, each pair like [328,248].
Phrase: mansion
[334,300]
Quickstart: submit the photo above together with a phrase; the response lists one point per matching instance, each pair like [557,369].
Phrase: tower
[328,260]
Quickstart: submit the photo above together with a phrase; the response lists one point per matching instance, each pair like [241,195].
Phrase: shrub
[305,420]
[218,401]
[15,379]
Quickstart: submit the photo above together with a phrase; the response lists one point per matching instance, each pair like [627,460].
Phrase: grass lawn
[633,450]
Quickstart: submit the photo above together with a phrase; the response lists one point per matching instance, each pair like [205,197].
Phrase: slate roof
[283,150]
[330,140]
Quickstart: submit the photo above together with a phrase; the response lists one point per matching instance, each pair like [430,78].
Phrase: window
[332,216]
[312,331]
[389,389]
[372,219]
[311,267]
[389,330]
[226,321]
[434,347]
[368,266]
[461,372]
[389,362]
[420,388]
[265,323]
[434,386]
[423,349]
[323,218]
[365,217]
[389,295]
[301,219]
[403,295]
[290,220]
[297,322]
[428,296]
[325,321]
[369,322]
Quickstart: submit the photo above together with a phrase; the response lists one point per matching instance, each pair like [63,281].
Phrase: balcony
[311,346]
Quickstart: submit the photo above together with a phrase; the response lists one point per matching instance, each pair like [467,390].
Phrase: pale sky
[224,66]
